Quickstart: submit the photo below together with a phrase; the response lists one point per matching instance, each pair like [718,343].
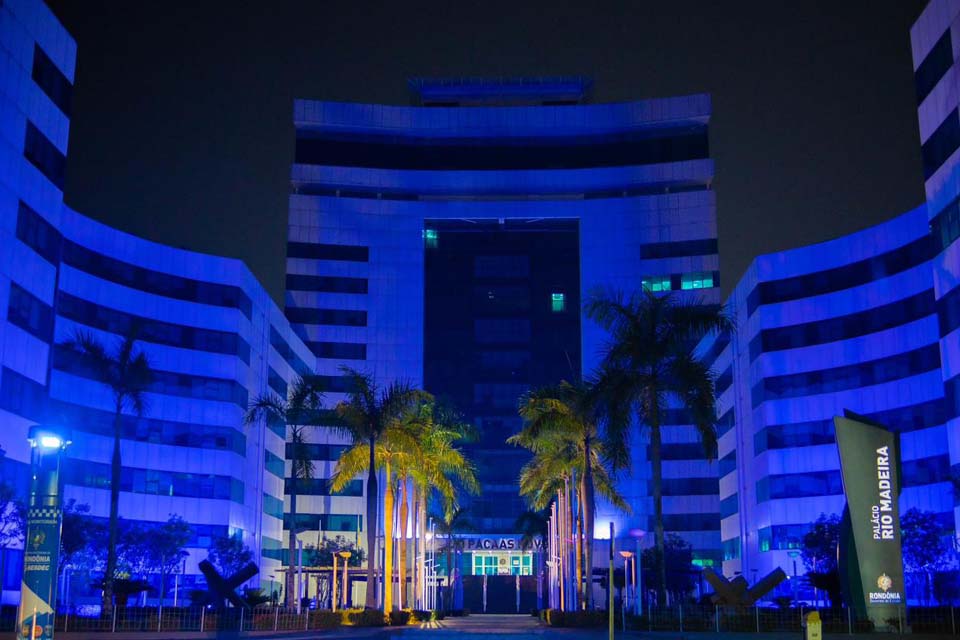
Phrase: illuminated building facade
[213,335]
[451,244]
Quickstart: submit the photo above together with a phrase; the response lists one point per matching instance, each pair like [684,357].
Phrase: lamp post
[637,534]
[41,549]
[624,599]
[333,589]
[346,556]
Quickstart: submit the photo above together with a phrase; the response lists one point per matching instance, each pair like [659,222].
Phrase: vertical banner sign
[41,550]
[870,465]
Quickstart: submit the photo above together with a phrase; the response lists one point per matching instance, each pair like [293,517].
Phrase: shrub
[366,618]
[555,617]
[576,619]
[323,619]
[420,615]
[400,618]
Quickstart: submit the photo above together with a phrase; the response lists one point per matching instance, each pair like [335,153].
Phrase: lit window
[430,238]
[698,280]
[558,302]
[656,284]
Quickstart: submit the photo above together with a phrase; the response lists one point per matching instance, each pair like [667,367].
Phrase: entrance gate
[501,594]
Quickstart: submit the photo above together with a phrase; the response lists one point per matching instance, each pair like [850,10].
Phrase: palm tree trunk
[422,508]
[370,601]
[448,551]
[571,533]
[115,472]
[589,513]
[402,568]
[292,542]
[656,466]
[388,542]
[578,542]
[417,543]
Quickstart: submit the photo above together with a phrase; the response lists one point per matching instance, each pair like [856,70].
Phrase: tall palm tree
[568,411]
[302,409]
[648,366]
[441,471]
[365,416]
[560,457]
[449,524]
[393,453]
[126,371]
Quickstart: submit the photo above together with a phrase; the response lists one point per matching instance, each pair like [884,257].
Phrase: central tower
[451,244]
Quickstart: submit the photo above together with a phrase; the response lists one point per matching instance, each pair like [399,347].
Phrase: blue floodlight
[48,438]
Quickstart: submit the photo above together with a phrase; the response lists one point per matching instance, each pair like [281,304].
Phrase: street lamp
[41,549]
[637,534]
[626,555]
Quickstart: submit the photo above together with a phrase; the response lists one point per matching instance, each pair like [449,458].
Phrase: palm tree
[568,411]
[365,416]
[649,364]
[302,409]
[126,371]
[562,449]
[393,452]
[449,524]
[441,470]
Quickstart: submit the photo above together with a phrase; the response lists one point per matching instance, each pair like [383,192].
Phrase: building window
[656,284]
[698,280]
[558,302]
[44,156]
[51,80]
[430,238]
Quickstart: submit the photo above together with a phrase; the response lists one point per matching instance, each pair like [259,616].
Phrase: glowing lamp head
[47,438]
[51,442]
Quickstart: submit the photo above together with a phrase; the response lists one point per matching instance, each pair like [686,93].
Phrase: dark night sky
[182,113]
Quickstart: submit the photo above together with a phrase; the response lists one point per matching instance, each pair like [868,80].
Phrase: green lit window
[656,283]
[558,302]
[430,238]
[698,280]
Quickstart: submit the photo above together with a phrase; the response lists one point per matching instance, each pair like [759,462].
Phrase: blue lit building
[867,322]
[212,333]
[935,38]
[846,324]
[451,244]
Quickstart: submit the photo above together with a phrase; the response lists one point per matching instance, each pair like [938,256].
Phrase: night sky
[182,132]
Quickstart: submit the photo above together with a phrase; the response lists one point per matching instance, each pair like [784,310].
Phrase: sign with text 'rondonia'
[870,466]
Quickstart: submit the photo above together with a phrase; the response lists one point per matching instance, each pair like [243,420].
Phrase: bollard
[241,619]
[849,622]
[306,619]
[113,625]
[276,618]
[899,620]
[203,611]
[159,618]
[681,617]
[66,617]
[716,617]
[756,615]
[953,623]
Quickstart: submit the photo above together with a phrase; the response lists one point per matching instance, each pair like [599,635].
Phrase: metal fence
[682,618]
[716,618]
[160,619]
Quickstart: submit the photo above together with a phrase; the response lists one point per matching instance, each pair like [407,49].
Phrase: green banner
[871,553]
